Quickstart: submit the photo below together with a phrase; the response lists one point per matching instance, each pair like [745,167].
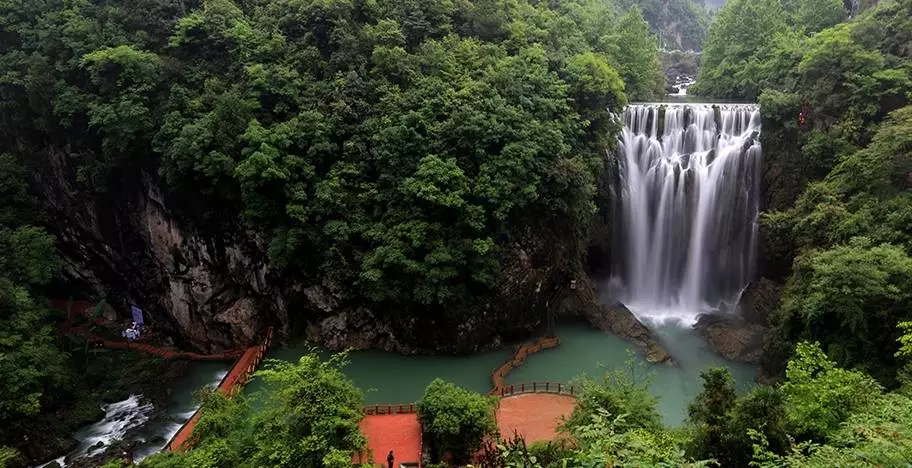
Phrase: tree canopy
[306,416]
[399,148]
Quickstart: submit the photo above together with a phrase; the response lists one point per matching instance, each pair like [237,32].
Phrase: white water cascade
[687,202]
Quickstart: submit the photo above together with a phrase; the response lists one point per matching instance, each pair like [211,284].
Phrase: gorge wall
[217,290]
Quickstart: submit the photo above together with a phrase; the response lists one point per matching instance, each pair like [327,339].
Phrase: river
[392,378]
[139,420]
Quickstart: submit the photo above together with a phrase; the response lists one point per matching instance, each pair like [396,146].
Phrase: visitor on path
[389,459]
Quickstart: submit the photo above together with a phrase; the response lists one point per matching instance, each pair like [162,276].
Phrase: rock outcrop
[732,337]
[759,301]
[616,319]
[740,337]
[214,289]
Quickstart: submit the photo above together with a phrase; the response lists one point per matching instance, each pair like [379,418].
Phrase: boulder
[620,320]
[759,301]
[732,337]
[616,319]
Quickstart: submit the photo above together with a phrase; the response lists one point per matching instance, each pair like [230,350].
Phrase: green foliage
[876,437]
[552,452]
[31,365]
[905,354]
[739,40]
[847,292]
[811,16]
[850,298]
[722,424]
[639,63]
[710,413]
[605,442]
[314,414]
[820,396]
[308,417]
[403,148]
[7,456]
[456,419]
[622,392]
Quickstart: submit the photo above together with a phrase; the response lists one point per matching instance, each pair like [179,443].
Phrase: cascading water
[687,201]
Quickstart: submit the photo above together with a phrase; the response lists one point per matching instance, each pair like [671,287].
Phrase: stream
[137,418]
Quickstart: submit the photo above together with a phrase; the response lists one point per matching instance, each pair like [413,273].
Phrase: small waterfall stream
[687,202]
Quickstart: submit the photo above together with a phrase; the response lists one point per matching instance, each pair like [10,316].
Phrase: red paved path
[534,415]
[400,433]
[83,308]
[232,382]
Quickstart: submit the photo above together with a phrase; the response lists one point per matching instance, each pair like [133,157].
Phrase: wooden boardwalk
[75,309]
[499,376]
[234,381]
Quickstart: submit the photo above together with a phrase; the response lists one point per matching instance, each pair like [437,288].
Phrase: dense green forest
[399,148]
[680,24]
[403,147]
[837,125]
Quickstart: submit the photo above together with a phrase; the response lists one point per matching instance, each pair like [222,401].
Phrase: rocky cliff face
[125,245]
[217,291]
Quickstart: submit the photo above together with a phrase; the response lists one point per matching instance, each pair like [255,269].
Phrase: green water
[392,378]
[584,350]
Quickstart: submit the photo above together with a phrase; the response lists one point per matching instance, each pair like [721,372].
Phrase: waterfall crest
[686,208]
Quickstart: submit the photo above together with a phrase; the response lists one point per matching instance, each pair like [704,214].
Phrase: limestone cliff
[215,290]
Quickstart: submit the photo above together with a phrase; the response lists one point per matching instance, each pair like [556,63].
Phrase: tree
[741,35]
[905,354]
[635,50]
[811,16]
[603,442]
[710,412]
[314,416]
[306,416]
[622,392]
[31,365]
[850,299]
[456,419]
[820,396]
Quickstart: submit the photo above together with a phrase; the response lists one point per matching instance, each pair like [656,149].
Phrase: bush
[456,419]
[819,396]
[623,392]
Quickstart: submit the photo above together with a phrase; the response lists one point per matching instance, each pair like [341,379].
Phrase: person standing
[389,459]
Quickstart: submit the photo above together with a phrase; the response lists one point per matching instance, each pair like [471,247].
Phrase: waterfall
[686,208]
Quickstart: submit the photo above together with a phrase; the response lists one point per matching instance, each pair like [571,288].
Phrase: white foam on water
[119,418]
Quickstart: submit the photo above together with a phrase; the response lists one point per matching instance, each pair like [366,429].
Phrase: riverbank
[100,377]
[139,393]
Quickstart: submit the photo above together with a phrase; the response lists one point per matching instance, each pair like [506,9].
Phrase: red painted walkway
[400,433]
[83,308]
[237,377]
[535,416]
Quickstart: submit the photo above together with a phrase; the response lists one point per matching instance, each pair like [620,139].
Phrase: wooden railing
[233,382]
[499,376]
[406,408]
[557,388]
[240,379]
